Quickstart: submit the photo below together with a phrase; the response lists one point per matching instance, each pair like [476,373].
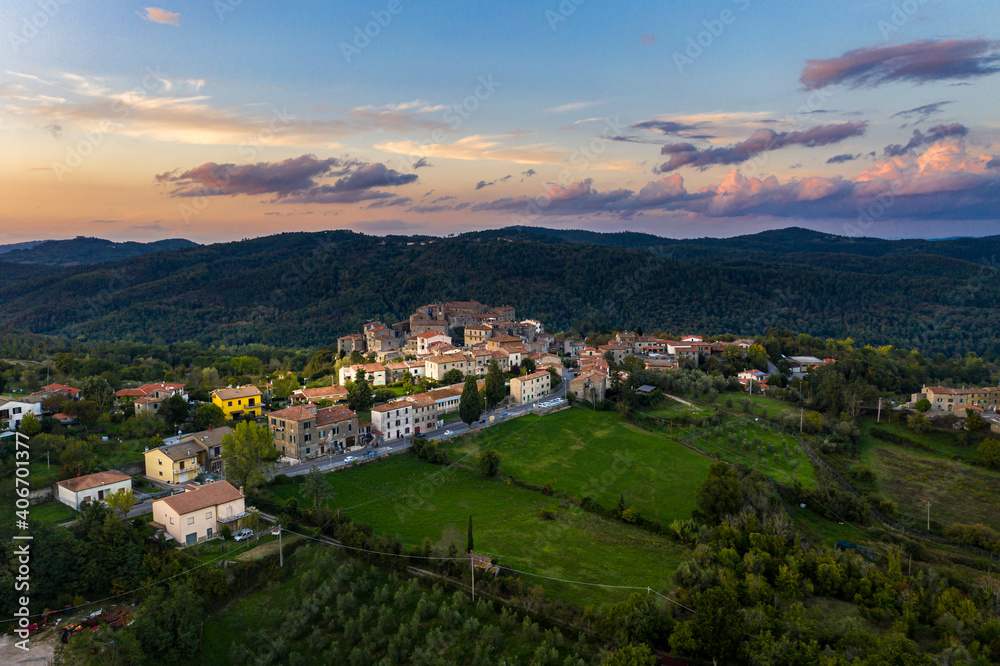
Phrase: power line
[122,594]
[511,569]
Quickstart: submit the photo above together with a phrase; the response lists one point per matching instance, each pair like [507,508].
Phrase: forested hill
[309,288]
[83,250]
[791,244]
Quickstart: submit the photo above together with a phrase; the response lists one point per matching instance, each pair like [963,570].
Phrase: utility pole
[928,515]
[281,550]
[879,418]
[472,565]
[801,413]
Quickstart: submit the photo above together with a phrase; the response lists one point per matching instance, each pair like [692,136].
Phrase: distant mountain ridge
[19,246]
[84,250]
[790,242]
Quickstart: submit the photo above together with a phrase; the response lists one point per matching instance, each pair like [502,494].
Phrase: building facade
[530,387]
[199,513]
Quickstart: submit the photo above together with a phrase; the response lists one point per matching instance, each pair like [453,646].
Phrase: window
[191,520]
[171,521]
[230,403]
[159,461]
[307,450]
[306,425]
[161,472]
[252,402]
[307,437]
[291,438]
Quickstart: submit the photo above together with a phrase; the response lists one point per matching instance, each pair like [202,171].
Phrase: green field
[672,410]
[739,439]
[775,408]
[957,492]
[595,454]
[408,497]
[936,441]
[52,513]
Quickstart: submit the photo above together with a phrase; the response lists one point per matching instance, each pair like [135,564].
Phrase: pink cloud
[157,15]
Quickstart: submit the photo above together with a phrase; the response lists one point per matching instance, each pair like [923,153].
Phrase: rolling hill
[306,289]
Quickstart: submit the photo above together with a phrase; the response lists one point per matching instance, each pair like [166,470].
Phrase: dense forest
[306,289]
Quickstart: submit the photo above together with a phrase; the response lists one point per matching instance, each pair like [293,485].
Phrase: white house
[392,419]
[425,340]
[80,491]
[13,410]
[375,373]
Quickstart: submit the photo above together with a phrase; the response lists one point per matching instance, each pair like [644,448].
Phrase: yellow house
[175,463]
[237,401]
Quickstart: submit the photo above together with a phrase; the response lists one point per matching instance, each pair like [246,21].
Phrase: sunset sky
[235,118]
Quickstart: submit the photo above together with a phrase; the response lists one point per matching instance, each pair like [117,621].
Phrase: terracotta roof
[334,414]
[94,480]
[421,400]
[235,393]
[209,495]
[446,358]
[181,450]
[944,390]
[147,400]
[368,367]
[352,336]
[60,388]
[431,334]
[208,438]
[506,338]
[533,375]
[146,389]
[391,406]
[296,413]
[445,393]
[320,392]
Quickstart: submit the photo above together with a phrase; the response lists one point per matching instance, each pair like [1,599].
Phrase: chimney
[241,491]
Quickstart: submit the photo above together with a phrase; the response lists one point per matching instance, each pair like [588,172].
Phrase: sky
[226,119]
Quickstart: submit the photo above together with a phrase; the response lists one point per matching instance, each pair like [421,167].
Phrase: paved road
[453,429]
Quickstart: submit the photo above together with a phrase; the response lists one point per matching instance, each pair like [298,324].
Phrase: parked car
[349,459]
[244,534]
